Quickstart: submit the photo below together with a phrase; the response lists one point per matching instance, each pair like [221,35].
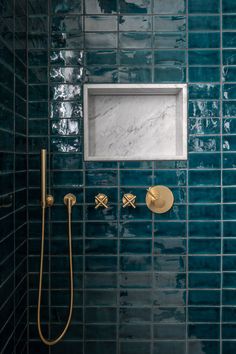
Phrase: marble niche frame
[178,90]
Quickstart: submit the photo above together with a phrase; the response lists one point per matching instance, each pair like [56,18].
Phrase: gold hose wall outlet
[129,200]
[69,198]
[159,199]
[101,200]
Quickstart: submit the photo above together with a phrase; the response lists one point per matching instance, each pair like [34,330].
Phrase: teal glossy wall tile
[133,267]
[196,23]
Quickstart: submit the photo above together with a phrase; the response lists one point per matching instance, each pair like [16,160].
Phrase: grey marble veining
[123,125]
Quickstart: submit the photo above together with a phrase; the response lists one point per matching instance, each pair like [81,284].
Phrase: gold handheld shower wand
[47,201]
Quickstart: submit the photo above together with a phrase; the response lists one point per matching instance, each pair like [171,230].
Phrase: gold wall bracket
[70,198]
[101,200]
[129,200]
[159,199]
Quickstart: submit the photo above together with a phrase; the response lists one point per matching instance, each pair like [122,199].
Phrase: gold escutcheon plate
[159,199]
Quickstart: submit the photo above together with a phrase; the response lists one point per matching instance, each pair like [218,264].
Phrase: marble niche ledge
[135,122]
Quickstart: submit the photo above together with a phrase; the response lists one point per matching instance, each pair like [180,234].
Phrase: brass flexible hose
[56,340]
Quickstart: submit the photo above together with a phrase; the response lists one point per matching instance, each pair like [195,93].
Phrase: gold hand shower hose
[69,200]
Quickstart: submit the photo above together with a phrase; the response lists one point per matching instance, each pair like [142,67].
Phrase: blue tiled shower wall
[144,283]
[13,184]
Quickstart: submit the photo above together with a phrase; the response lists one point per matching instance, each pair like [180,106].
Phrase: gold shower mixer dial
[101,200]
[159,199]
[129,200]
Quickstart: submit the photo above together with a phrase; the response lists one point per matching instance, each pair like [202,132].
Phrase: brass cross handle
[129,200]
[101,200]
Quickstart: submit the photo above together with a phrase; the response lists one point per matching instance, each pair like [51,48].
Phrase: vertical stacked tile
[13,199]
[204,194]
[229,199]
[65,84]
[38,136]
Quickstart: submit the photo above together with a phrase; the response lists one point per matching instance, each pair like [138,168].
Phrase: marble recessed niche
[135,122]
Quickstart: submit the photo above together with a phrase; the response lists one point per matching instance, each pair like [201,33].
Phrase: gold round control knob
[159,199]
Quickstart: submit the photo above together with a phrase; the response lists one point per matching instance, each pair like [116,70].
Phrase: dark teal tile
[208,347]
[170,57]
[36,8]
[205,195]
[228,347]
[204,91]
[229,263]
[228,6]
[229,177]
[135,6]
[229,22]
[229,245]
[101,229]
[199,6]
[204,229]
[229,195]
[229,314]
[170,74]
[204,178]
[229,229]
[229,57]
[101,264]
[204,212]
[101,57]
[229,126]
[228,331]
[102,178]
[170,40]
[135,246]
[38,58]
[204,297]
[228,74]
[204,40]
[229,91]
[59,40]
[204,281]
[229,280]
[170,178]
[204,331]
[204,246]
[102,74]
[228,297]
[168,7]
[135,57]
[135,263]
[71,6]
[141,213]
[38,24]
[100,247]
[165,346]
[108,214]
[169,246]
[229,109]
[204,263]
[96,7]
[131,74]
[204,108]
[135,347]
[137,40]
[229,160]
[99,315]
[135,178]
[203,314]
[229,40]
[97,347]
[204,126]
[208,23]
[167,229]
[131,229]
[173,298]
[135,331]
[204,74]
[178,212]
[204,161]
[169,315]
